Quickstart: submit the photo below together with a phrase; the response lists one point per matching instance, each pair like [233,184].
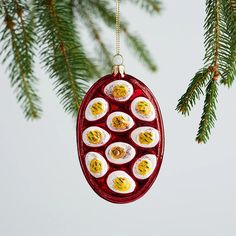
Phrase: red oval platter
[125,174]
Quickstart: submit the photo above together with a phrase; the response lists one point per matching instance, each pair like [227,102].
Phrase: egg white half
[135,136]
[94,155]
[120,173]
[88,114]
[149,117]
[109,88]
[152,159]
[119,113]
[105,136]
[130,153]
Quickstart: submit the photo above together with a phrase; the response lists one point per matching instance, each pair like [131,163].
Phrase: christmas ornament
[120,134]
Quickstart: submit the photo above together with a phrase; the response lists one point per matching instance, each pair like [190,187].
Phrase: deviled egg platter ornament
[120,135]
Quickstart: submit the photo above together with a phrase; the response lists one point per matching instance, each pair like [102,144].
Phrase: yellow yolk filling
[94,136]
[97,108]
[95,166]
[117,152]
[120,123]
[146,137]
[121,184]
[120,91]
[143,108]
[144,167]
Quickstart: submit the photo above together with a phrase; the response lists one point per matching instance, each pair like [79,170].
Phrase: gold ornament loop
[118,59]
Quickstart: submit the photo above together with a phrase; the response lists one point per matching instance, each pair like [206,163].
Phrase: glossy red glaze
[99,184]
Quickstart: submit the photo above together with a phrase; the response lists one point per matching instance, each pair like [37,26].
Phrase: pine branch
[229,14]
[94,29]
[18,42]
[92,68]
[220,40]
[219,61]
[62,53]
[151,6]
[103,10]
[188,100]
[208,116]
[134,42]
[1,8]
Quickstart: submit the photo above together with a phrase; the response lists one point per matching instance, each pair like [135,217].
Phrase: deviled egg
[144,166]
[145,136]
[119,90]
[96,164]
[143,109]
[120,182]
[96,109]
[95,136]
[119,121]
[120,153]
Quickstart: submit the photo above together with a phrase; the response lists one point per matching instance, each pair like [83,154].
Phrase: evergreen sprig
[95,32]
[152,6]
[219,63]
[136,44]
[195,89]
[61,51]
[18,51]
[52,29]
[208,116]
[229,70]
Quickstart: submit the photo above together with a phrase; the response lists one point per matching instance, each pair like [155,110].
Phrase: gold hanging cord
[118,58]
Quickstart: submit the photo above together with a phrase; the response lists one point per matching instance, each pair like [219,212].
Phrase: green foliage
[136,43]
[95,32]
[18,51]
[89,14]
[229,69]
[152,6]
[53,29]
[188,100]
[219,63]
[61,51]
[208,116]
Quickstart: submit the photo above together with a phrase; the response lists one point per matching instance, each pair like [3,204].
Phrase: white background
[43,191]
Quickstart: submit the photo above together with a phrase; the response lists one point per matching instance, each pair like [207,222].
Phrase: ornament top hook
[118,66]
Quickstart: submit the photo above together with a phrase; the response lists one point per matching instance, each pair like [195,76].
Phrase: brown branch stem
[63,50]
